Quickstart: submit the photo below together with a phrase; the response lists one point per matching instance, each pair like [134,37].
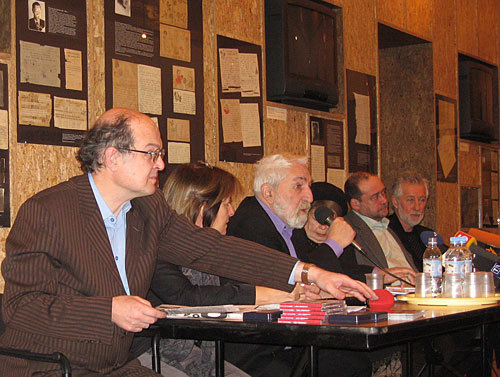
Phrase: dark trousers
[278,361]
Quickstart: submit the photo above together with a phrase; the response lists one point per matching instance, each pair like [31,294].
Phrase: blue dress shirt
[116,226]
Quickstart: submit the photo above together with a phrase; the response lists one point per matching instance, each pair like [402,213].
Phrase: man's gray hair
[273,169]
[412,177]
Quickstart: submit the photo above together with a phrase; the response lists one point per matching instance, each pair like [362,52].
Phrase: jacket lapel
[95,229]
[367,239]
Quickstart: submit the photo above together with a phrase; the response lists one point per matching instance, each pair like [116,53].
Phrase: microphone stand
[358,248]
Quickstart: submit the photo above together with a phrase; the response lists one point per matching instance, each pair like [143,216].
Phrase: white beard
[295,220]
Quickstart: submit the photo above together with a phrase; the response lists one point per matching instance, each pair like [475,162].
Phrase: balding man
[81,255]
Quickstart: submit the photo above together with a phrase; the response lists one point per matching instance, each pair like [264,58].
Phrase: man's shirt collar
[106,212]
[373,224]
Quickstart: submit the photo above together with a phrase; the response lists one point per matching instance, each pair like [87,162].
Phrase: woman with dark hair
[203,194]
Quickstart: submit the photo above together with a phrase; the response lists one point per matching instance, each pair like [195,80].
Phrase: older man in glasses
[81,255]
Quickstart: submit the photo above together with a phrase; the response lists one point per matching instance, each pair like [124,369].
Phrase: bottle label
[467,266]
[433,267]
[454,267]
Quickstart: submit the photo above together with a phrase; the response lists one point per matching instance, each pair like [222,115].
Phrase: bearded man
[409,199]
[281,204]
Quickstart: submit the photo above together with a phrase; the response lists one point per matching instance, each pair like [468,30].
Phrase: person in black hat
[312,242]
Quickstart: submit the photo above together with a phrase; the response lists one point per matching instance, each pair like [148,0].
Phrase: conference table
[437,320]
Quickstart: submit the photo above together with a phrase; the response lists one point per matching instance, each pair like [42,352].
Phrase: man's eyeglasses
[154,154]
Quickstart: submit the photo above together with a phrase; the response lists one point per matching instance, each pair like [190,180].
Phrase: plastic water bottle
[432,265]
[468,267]
[454,258]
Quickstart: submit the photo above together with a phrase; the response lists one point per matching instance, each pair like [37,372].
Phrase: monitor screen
[311,43]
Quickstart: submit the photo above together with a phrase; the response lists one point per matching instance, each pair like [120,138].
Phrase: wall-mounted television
[301,53]
[478,100]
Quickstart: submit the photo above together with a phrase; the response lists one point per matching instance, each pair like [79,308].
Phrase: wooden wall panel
[360,39]
[469,162]
[445,48]
[95,51]
[486,29]
[466,26]
[240,20]
[392,12]
[419,18]
[407,115]
[210,82]
[447,209]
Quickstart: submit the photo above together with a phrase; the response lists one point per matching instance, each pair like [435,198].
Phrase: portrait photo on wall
[122,7]
[36,12]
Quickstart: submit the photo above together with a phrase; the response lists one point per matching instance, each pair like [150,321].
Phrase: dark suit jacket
[32,24]
[60,274]
[252,223]
[370,244]
[323,256]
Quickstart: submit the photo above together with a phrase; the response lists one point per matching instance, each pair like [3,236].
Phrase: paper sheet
[229,70]
[70,113]
[362,119]
[125,85]
[34,108]
[183,78]
[318,163]
[276,113]
[179,153]
[250,124]
[4,129]
[73,69]
[336,177]
[184,102]
[174,12]
[178,130]
[149,89]
[231,120]
[39,64]
[175,43]
[249,75]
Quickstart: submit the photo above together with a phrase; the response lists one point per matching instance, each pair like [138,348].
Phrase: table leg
[219,358]
[484,353]
[313,361]
[155,354]
[408,359]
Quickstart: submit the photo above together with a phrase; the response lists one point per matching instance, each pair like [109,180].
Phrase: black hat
[327,191]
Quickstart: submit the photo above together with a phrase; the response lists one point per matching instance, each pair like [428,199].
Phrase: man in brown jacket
[80,256]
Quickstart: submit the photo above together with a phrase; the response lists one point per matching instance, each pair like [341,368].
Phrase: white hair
[273,170]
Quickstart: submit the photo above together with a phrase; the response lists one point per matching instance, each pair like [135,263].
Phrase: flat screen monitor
[301,53]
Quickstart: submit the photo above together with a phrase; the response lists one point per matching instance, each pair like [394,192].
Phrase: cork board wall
[406,116]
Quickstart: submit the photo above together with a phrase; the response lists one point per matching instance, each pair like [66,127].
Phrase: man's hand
[339,284]
[341,232]
[403,272]
[133,313]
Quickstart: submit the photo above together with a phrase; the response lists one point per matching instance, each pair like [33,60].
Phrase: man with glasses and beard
[281,204]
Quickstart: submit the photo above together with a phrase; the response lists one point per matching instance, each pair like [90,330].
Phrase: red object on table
[385,300]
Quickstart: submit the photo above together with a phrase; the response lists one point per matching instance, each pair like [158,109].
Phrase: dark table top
[437,320]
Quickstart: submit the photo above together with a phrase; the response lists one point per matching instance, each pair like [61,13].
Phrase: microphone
[324,216]
[426,234]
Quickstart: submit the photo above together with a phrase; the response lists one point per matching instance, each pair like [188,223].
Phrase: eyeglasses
[154,154]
